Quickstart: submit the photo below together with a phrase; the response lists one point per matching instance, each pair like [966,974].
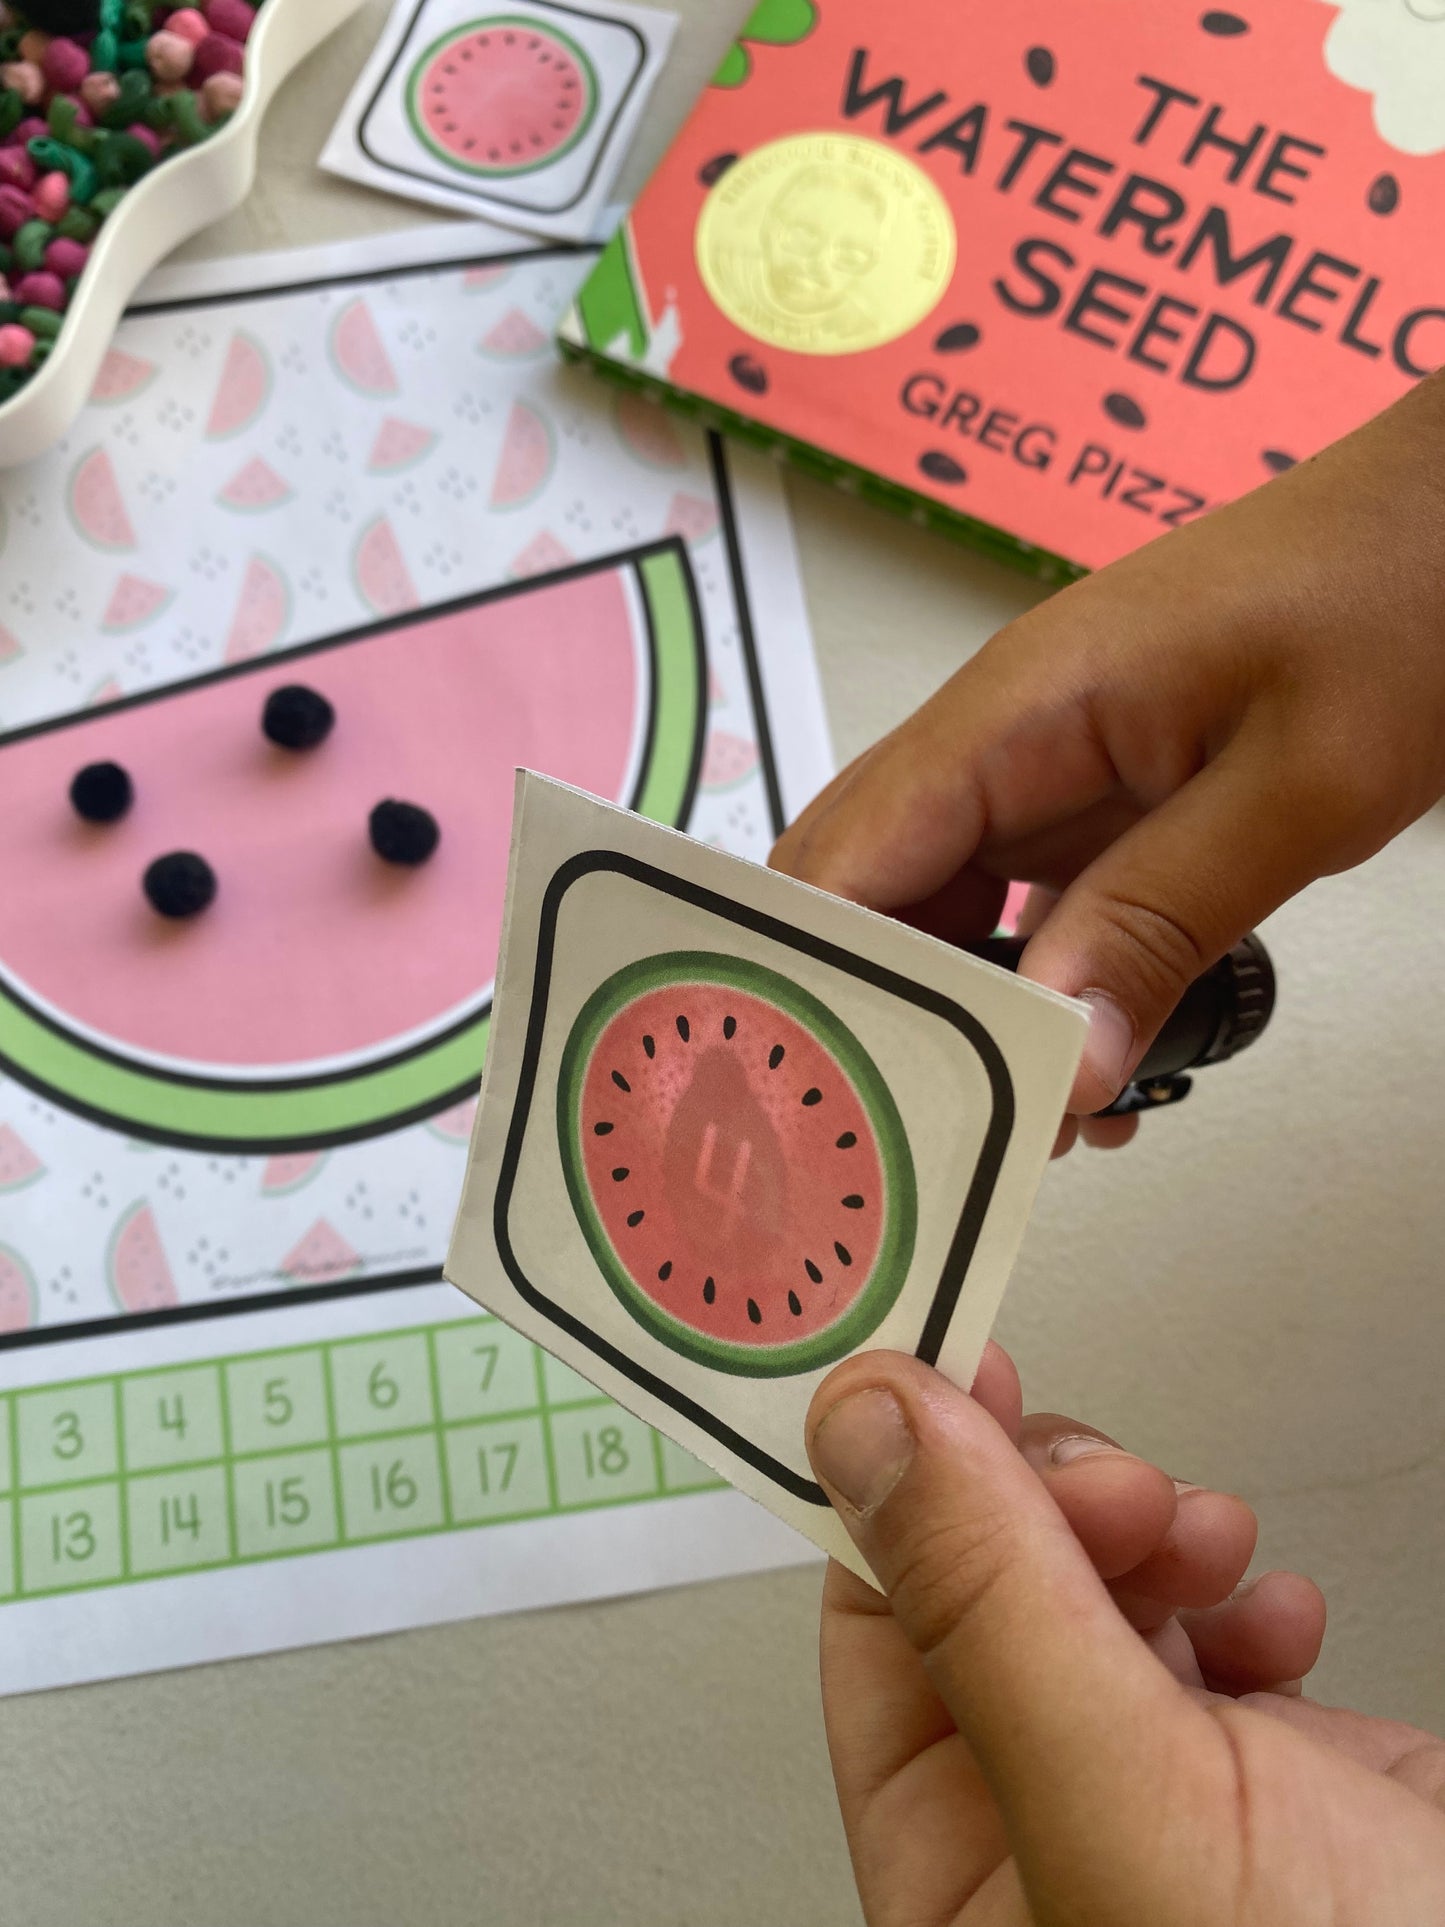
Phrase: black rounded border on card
[975,1204]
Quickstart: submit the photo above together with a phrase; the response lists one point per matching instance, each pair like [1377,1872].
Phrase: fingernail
[863,1447]
[1108,1055]
[1065,1451]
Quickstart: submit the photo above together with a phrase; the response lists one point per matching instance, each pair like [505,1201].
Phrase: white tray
[185,193]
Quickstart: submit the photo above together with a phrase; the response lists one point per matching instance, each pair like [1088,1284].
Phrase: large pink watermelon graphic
[17,1292]
[263,611]
[96,505]
[137,1269]
[243,390]
[325,995]
[502,96]
[737,1164]
[358,352]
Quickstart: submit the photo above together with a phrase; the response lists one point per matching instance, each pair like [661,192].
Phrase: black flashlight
[1221,1014]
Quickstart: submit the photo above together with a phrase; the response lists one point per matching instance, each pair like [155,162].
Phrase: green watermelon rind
[257,1118]
[879,1291]
[423,64]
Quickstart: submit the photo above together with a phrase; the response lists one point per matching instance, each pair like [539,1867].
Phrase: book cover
[1059,275]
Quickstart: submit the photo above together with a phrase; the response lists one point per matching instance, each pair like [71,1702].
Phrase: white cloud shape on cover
[1395,51]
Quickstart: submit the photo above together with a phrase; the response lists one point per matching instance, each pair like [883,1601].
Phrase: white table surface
[1253,1296]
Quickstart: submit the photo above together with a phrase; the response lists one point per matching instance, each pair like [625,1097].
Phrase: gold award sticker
[826,244]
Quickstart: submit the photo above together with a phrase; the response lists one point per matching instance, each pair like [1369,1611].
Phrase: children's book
[1059,276]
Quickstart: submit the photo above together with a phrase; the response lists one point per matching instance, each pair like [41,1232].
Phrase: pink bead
[217,54]
[16,168]
[221,95]
[15,210]
[147,136]
[33,45]
[190,24]
[51,197]
[29,130]
[41,290]
[65,64]
[17,344]
[231,17]
[99,91]
[83,115]
[168,56]
[66,258]
[25,78]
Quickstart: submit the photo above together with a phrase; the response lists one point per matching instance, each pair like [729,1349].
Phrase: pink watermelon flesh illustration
[482,280]
[515,338]
[526,459]
[137,1269]
[441,710]
[17,1292]
[382,578]
[243,390]
[501,96]
[650,432]
[691,517]
[736,1163]
[263,611]
[108,691]
[96,506]
[543,553]
[289,1172]
[254,489]
[322,1256]
[399,445]
[121,376]
[728,761]
[454,1126]
[134,603]
[18,1163]
[358,352]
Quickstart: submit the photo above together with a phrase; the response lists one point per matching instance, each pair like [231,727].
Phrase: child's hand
[1010,1750]
[1178,743]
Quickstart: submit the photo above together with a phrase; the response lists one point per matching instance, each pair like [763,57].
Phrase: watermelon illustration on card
[733,1131]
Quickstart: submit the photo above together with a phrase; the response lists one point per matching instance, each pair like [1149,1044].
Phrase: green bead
[9,311]
[131,55]
[43,323]
[104,52]
[78,224]
[186,117]
[30,245]
[12,112]
[107,201]
[63,120]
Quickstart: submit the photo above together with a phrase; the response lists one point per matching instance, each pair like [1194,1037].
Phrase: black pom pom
[180,885]
[101,793]
[403,833]
[296,717]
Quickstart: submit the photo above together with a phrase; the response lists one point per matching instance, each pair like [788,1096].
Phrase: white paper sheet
[521,114]
[238,1410]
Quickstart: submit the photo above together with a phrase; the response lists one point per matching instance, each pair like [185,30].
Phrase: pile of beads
[93,93]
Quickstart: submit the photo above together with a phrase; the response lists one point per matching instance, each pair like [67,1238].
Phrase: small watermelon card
[1058,277]
[733,1130]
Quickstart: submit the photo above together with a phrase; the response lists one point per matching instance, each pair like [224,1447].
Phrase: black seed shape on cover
[749,374]
[795,1304]
[753,1313]
[776,1056]
[845,1256]
[634,1218]
[621,1174]
[621,1082]
[730,1027]
[810,1098]
[711,172]
[403,833]
[1276,459]
[602,1130]
[847,1141]
[959,338]
[1224,24]
[296,717]
[1124,410]
[709,1291]
[1041,66]
[101,793]
[853,1202]
[942,468]
[683,1030]
[1384,194]
[180,885]
[649,1046]
[664,1271]
[812,1271]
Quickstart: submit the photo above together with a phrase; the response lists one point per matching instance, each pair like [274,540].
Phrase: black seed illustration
[620,1081]
[709,1291]
[1384,194]
[955,340]
[1276,459]
[730,1025]
[776,1056]
[634,1218]
[795,1304]
[1124,410]
[1041,66]
[683,1030]
[711,172]
[749,374]
[812,1097]
[845,1256]
[942,468]
[847,1141]
[1224,24]
[621,1174]
[602,1130]
[853,1202]
[812,1271]
[649,1046]
[664,1272]
[753,1313]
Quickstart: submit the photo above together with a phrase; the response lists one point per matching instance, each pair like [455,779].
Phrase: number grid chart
[112,1480]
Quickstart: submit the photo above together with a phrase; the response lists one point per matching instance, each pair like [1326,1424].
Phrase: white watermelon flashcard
[521,110]
[734,1130]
